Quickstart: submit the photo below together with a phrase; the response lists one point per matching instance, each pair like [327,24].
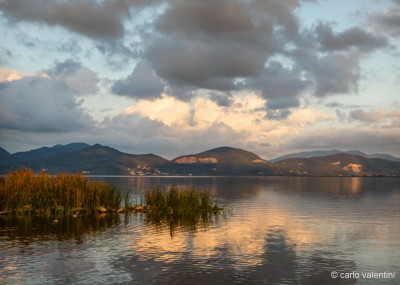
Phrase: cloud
[170,126]
[10,75]
[279,85]
[387,21]
[373,116]
[213,48]
[100,20]
[333,73]
[5,55]
[141,83]
[354,37]
[38,104]
[80,79]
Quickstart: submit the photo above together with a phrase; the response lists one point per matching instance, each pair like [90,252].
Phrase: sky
[174,77]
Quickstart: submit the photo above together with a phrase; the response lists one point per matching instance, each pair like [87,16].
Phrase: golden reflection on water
[275,227]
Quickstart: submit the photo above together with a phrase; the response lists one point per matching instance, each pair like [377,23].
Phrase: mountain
[42,152]
[341,164]
[307,154]
[4,155]
[219,161]
[96,159]
[103,160]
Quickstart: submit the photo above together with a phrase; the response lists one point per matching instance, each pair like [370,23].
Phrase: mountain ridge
[317,153]
[104,160]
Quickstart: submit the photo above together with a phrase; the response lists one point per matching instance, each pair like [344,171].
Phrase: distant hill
[96,159]
[104,160]
[42,152]
[316,153]
[220,161]
[341,164]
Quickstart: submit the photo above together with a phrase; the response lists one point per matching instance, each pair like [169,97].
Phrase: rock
[101,209]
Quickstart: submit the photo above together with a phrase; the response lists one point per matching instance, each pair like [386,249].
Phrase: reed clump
[180,201]
[177,208]
[24,192]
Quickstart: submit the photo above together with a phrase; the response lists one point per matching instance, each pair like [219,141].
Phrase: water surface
[282,230]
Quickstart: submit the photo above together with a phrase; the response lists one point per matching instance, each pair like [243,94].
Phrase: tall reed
[185,208]
[23,191]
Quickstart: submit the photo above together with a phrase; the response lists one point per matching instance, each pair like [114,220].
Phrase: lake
[279,230]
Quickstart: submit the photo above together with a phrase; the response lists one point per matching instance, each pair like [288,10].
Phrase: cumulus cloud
[173,126]
[78,78]
[354,37]
[281,86]
[141,83]
[10,75]
[387,21]
[40,105]
[102,20]
[217,43]
[333,73]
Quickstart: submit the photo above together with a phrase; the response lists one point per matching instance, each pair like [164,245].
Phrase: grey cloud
[41,105]
[209,44]
[101,20]
[141,83]
[341,105]
[334,73]
[352,38]
[388,21]
[78,78]
[222,99]
[211,65]
[280,86]
[373,116]
[5,55]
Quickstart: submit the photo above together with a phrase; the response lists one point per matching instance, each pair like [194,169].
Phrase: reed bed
[180,201]
[185,209]
[24,192]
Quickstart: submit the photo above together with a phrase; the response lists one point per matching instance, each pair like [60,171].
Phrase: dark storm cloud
[102,20]
[80,79]
[40,105]
[141,83]
[352,38]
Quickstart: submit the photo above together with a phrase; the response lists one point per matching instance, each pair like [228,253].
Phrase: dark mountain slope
[341,164]
[44,152]
[316,153]
[96,159]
